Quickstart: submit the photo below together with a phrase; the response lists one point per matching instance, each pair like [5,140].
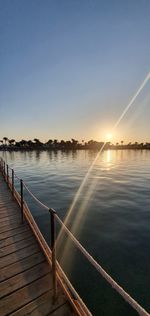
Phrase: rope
[16,176]
[35,198]
[104,274]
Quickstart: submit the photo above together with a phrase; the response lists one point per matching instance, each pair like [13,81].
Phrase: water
[111,219]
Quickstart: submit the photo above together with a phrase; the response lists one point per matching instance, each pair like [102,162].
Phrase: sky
[69,68]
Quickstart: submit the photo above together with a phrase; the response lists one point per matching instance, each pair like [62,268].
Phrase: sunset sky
[69,68]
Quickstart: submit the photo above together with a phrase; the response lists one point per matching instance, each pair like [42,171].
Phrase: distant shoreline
[73,144]
[125,147]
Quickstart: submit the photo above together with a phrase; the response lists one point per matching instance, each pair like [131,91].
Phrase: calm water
[111,219]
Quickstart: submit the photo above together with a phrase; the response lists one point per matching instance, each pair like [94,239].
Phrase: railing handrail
[135,305]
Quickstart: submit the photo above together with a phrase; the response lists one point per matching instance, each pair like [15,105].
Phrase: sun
[109,137]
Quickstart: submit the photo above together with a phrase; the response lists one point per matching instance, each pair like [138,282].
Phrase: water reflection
[79,213]
[108,156]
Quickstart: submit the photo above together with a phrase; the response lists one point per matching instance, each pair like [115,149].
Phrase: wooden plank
[18,255]
[9,217]
[17,246]
[21,297]
[8,203]
[10,221]
[22,265]
[42,242]
[64,310]
[14,232]
[9,214]
[13,239]
[12,226]
[9,209]
[43,305]
[4,194]
[24,278]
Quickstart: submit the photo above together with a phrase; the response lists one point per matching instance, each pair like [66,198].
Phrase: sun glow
[109,137]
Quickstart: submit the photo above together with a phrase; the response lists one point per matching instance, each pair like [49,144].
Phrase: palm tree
[49,142]
[11,141]
[1,141]
[55,143]
[74,143]
[5,140]
[68,144]
[23,142]
[62,143]
[30,143]
[36,140]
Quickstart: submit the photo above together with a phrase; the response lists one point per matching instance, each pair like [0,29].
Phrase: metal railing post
[12,182]
[7,172]
[53,249]
[21,194]
[1,166]
[4,169]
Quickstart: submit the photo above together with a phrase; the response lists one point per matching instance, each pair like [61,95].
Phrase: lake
[111,218]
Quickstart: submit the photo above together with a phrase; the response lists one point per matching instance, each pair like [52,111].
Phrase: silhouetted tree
[23,142]
[62,144]
[74,143]
[36,140]
[11,141]
[30,143]
[49,142]
[5,140]
[55,143]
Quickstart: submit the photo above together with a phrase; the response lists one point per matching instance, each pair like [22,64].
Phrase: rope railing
[132,302]
[15,175]
[103,273]
[35,198]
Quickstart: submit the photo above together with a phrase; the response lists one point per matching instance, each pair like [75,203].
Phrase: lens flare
[132,100]
[76,198]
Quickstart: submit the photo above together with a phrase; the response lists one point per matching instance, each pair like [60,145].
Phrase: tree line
[12,144]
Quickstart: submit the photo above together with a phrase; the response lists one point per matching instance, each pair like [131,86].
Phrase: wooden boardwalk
[25,275]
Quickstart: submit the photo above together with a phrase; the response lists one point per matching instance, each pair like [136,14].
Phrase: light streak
[98,154]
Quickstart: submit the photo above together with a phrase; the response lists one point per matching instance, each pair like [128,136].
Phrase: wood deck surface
[25,275]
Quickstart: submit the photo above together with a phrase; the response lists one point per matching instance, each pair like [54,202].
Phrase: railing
[57,272]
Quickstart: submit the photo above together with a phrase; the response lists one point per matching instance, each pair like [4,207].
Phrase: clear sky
[68,68]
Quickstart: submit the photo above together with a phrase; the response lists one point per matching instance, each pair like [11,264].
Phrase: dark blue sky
[69,68]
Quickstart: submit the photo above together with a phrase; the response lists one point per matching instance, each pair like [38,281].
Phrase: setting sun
[109,136]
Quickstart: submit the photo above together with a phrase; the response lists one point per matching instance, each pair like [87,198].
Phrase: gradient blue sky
[69,68]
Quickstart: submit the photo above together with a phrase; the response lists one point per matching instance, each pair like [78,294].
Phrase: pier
[29,284]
